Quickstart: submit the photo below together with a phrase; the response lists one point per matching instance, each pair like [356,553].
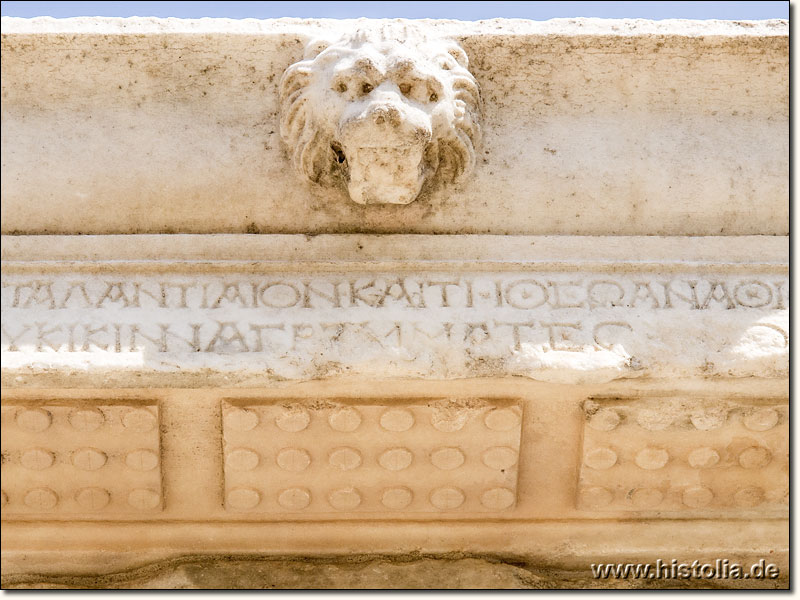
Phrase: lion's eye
[434,97]
[405,89]
[341,88]
[366,88]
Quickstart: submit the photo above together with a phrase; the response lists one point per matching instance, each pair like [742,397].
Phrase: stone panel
[455,456]
[90,458]
[682,455]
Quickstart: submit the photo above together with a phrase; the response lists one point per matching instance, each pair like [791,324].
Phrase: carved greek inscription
[231,337]
[489,315]
[522,293]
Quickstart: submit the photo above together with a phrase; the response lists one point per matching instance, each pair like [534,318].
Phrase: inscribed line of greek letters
[523,293]
[291,316]
[225,337]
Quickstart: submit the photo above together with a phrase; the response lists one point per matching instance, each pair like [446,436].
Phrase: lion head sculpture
[381,116]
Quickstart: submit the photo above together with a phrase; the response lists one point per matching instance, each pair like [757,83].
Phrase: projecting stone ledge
[571,126]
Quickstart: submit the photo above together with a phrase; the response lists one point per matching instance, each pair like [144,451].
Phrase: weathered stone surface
[361,572]
[173,126]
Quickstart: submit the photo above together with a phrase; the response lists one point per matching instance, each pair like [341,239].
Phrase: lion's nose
[386,113]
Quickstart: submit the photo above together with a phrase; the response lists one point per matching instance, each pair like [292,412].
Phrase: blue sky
[469,11]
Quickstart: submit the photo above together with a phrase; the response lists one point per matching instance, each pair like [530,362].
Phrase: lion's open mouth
[382,174]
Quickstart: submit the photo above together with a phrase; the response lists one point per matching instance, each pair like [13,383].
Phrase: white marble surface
[173,126]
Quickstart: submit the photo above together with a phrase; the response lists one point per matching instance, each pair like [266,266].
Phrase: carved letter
[227,340]
[753,294]
[12,339]
[41,340]
[556,300]
[648,294]
[232,293]
[280,294]
[533,295]
[116,292]
[259,337]
[600,326]
[334,297]
[554,328]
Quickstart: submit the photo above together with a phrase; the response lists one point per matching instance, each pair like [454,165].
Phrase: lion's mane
[309,137]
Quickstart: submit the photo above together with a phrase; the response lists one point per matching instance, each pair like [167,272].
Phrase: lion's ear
[314,48]
[295,78]
[456,157]
[459,55]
